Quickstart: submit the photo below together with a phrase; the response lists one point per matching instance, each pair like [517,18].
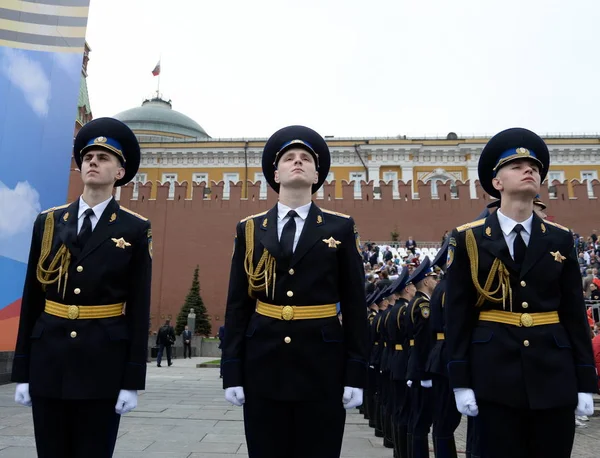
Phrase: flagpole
[158,85]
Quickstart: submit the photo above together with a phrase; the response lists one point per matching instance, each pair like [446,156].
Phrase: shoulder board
[143,218]
[253,216]
[557,225]
[54,208]
[335,213]
[477,223]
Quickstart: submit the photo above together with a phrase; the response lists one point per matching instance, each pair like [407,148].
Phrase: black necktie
[288,234]
[86,229]
[519,246]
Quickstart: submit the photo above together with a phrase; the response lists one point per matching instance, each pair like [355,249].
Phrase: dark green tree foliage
[193,300]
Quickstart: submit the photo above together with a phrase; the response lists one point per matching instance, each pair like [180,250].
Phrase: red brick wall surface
[198,231]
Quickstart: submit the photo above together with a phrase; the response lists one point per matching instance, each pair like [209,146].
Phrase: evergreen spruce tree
[193,300]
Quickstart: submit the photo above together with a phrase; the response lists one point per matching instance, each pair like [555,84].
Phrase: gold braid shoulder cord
[264,273]
[498,269]
[60,263]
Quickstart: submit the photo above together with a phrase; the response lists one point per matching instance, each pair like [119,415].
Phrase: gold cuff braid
[498,270]
[264,274]
[60,263]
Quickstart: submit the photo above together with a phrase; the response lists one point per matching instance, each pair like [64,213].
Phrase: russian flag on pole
[156,70]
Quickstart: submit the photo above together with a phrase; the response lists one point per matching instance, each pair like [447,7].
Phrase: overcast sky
[244,68]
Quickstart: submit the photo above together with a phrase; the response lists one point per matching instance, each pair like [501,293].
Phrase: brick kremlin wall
[200,231]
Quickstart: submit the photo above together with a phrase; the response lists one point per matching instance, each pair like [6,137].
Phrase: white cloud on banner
[18,210]
[27,75]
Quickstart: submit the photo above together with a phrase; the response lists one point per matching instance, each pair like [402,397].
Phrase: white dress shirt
[98,210]
[507,225]
[282,219]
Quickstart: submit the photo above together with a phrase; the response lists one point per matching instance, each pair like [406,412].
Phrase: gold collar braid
[264,274]
[498,270]
[60,263]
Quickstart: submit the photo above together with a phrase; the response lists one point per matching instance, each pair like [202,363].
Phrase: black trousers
[75,429]
[294,429]
[161,348]
[421,410]
[187,349]
[445,416]
[524,433]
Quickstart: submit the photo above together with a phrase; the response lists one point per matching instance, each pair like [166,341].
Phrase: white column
[472,176]
[407,175]
[374,175]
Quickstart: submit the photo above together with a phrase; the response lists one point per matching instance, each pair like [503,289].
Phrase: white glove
[409,383]
[426,383]
[235,395]
[353,397]
[585,404]
[22,394]
[126,402]
[465,401]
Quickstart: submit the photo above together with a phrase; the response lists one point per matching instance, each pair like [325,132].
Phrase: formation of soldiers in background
[408,365]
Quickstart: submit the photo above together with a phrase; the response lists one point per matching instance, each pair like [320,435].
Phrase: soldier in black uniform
[372,313]
[386,354]
[421,342]
[375,362]
[404,292]
[517,335]
[445,416]
[286,357]
[83,333]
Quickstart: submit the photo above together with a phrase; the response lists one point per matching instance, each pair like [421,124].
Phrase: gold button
[287,339]
[290,293]
[291,271]
[524,305]
[523,283]
[76,290]
[79,268]
[526,343]
[73,334]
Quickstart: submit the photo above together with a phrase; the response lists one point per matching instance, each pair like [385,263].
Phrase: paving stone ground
[182,414]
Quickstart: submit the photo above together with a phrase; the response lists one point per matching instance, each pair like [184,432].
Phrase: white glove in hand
[22,394]
[465,401]
[235,395]
[126,402]
[409,383]
[426,383]
[353,397]
[585,404]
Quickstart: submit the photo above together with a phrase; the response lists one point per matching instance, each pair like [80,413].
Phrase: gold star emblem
[543,229]
[557,256]
[264,224]
[113,217]
[488,231]
[523,151]
[66,217]
[121,243]
[331,242]
[100,140]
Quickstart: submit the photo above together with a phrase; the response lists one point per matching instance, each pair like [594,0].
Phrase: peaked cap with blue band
[507,146]
[442,255]
[423,270]
[113,136]
[295,137]
[399,283]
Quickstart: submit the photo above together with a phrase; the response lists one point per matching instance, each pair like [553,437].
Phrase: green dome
[157,119]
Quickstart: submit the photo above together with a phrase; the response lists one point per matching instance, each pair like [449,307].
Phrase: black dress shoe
[170,364]
[158,365]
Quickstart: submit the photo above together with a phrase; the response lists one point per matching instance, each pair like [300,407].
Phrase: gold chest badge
[121,243]
[331,242]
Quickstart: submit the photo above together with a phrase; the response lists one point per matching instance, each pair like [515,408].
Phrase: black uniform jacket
[418,316]
[375,338]
[536,367]
[87,358]
[298,359]
[437,362]
[397,336]
[385,340]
